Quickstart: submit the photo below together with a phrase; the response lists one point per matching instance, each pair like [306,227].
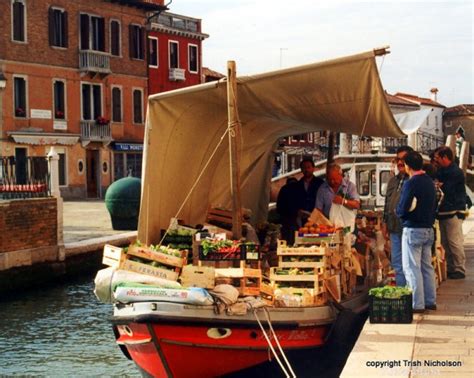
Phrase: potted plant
[59,114]
[20,112]
[101,120]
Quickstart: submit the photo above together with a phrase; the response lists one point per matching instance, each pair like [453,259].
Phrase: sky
[431,42]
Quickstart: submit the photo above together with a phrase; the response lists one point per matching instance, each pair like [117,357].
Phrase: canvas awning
[185,126]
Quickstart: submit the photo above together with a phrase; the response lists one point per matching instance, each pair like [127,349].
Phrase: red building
[73,74]
[175,52]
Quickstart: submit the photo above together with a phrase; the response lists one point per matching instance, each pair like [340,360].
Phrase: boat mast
[235,146]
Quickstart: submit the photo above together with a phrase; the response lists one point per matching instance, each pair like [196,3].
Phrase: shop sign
[60,125]
[128,147]
[41,114]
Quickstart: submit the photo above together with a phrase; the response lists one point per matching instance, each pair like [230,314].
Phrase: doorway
[92,170]
[21,173]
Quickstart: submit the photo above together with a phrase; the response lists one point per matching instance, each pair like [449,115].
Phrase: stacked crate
[141,259]
[293,261]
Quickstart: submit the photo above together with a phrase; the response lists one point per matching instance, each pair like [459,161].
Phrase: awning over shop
[186,126]
[44,139]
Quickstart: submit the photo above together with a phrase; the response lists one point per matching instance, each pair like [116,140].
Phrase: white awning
[45,139]
[410,122]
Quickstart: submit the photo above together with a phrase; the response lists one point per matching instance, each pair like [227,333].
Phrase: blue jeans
[396,257]
[416,258]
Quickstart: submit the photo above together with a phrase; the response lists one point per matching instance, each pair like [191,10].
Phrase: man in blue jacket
[416,209]
[452,211]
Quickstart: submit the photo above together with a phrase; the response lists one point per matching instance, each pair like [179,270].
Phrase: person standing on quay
[416,208]
[452,211]
[391,223]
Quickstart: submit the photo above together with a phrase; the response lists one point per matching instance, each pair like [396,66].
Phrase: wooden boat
[186,167]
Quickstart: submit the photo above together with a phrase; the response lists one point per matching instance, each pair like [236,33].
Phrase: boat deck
[434,338]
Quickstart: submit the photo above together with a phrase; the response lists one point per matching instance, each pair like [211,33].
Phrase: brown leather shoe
[430,307]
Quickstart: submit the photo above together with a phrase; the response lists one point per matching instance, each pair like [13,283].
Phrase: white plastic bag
[340,216]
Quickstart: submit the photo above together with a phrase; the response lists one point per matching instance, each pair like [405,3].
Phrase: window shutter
[114,38]
[116,106]
[18,21]
[51,26]
[101,34]
[84,32]
[142,43]
[131,41]
[66,29]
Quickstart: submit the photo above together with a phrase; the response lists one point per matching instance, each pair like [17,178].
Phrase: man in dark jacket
[452,211]
[307,187]
[287,208]
[391,223]
[416,208]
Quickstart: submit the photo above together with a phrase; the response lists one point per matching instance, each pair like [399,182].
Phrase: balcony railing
[177,22]
[93,132]
[94,61]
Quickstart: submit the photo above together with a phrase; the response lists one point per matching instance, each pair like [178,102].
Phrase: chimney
[434,94]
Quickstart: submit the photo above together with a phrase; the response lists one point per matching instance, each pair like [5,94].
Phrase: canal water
[63,331]
[60,331]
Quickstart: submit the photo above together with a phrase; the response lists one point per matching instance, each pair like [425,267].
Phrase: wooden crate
[116,257]
[283,249]
[112,256]
[246,280]
[305,239]
[160,257]
[267,293]
[306,295]
[314,281]
[198,276]
[149,270]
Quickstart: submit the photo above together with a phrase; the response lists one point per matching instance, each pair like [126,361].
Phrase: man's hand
[338,199]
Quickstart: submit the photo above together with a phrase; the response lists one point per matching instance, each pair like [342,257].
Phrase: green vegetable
[390,292]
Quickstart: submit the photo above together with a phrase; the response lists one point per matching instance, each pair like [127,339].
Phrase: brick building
[73,74]
[175,52]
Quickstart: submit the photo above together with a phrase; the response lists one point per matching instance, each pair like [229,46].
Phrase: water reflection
[60,331]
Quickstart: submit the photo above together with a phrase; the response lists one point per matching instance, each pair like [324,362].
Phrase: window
[58,27]
[363,182]
[92,33]
[173,54]
[137,106]
[115,42]
[59,100]
[373,183]
[193,58]
[153,52]
[19,84]
[91,101]
[116,104]
[18,20]
[384,178]
[136,42]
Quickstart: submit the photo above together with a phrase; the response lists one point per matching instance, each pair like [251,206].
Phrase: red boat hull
[179,350]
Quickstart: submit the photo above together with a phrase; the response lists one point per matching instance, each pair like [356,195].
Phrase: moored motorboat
[177,340]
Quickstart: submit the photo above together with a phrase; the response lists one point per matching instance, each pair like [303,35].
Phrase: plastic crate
[387,310]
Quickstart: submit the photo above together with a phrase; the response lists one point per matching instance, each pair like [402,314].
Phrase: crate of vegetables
[220,250]
[390,304]
[312,233]
[162,262]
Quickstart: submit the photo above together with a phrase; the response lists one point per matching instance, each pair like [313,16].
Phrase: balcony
[94,61]
[177,74]
[93,132]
